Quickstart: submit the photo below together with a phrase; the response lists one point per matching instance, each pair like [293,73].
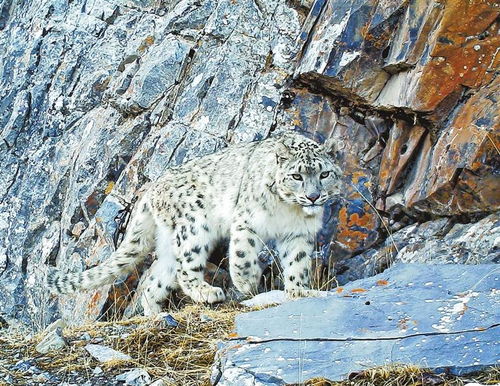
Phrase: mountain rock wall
[99,97]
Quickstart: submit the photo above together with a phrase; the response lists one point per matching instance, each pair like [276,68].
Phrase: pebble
[105,354]
[44,378]
[97,371]
[134,377]
[59,323]
[26,365]
[52,342]
[167,320]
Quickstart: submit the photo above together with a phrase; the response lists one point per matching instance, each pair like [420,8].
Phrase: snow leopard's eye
[297,177]
[324,175]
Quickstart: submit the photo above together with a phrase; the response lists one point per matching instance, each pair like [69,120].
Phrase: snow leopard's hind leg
[161,281]
[138,242]
[193,242]
[243,258]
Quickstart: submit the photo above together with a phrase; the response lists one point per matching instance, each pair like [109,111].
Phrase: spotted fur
[254,192]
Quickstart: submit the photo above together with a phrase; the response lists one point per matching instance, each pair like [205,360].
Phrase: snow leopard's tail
[138,242]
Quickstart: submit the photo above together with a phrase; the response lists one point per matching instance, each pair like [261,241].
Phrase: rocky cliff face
[99,97]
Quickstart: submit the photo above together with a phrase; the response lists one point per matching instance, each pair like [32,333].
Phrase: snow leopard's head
[307,173]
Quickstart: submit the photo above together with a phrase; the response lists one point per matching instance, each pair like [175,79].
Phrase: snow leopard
[273,189]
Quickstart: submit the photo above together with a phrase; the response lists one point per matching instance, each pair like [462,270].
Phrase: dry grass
[403,375]
[183,354]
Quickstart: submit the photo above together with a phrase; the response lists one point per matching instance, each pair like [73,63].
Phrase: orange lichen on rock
[358,290]
[365,220]
[109,188]
[146,43]
[354,238]
[351,239]
[357,175]
[464,52]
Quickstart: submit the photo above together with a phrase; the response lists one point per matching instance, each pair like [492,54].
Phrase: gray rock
[335,48]
[163,382]
[165,320]
[134,377]
[96,99]
[59,323]
[53,341]
[154,78]
[443,317]
[475,243]
[158,382]
[53,337]
[26,365]
[105,354]
[434,242]
[45,378]
[97,371]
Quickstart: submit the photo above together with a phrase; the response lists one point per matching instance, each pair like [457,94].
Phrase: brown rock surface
[459,173]
[439,64]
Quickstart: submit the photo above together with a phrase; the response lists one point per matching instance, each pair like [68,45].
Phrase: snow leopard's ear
[283,151]
[330,147]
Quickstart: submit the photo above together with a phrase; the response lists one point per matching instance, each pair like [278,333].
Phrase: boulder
[441,317]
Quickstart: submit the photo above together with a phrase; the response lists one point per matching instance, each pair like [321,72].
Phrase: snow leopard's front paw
[300,292]
[208,294]
[246,287]
[150,309]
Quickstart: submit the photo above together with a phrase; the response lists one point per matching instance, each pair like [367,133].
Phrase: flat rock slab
[443,317]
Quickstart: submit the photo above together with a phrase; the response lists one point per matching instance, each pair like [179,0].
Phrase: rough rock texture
[433,242]
[99,97]
[411,93]
[400,316]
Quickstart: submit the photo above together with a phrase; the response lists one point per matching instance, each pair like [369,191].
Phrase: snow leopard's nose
[312,197]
